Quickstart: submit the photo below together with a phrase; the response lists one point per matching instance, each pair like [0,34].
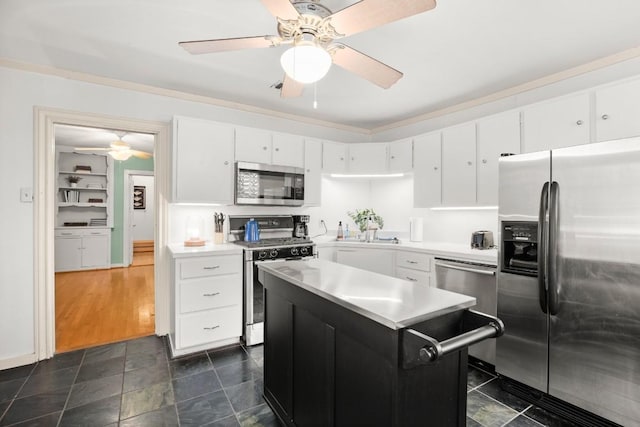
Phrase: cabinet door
[368,158]
[253,145]
[96,251]
[202,161]
[312,172]
[427,170]
[459,165]
[334,157]
[496,135]
[559,123]
[401,156]
[617,111]
[288,150]
[68,253]
[374,260]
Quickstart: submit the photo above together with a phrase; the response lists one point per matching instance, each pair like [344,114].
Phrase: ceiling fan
[312,29]
[119,149]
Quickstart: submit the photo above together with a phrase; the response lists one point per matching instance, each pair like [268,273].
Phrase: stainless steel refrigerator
[569,276]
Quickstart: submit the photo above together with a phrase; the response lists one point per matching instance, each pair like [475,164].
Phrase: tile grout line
[235,414]
[66,402]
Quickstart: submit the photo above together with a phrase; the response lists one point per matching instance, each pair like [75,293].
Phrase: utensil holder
[218,238]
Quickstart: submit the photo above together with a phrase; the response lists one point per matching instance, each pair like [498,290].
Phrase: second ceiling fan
[312,29]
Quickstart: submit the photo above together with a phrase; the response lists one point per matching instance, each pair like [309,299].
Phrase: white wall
[144,219]
[21,91]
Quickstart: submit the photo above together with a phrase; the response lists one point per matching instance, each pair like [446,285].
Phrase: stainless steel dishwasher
[477,280]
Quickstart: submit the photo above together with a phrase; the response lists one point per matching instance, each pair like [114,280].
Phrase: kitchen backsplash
[391,198]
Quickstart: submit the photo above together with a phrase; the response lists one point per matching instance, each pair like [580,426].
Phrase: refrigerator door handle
[542,247]
[553,249]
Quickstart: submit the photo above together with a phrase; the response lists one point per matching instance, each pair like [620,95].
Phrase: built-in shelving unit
[84,211]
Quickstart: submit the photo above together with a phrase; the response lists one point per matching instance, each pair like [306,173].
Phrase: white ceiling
[80,136]
[460,51]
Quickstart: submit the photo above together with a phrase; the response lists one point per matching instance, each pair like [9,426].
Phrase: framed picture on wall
[139,197]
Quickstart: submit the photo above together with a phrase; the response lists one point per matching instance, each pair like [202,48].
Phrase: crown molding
[171,93]
[600,63]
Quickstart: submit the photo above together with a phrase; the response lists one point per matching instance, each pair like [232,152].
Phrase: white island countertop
[392,302]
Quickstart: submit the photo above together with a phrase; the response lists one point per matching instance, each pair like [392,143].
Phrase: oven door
[254,303]
[259,184]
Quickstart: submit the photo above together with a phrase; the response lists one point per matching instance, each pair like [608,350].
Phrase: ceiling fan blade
[91,149]
[367,14]
[365,66]
[290,88]
[141,154]
[198,47]
[282,9]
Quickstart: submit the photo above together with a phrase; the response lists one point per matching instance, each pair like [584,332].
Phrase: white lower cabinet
[82,249]
[375,260]
[207,302]
[415,267]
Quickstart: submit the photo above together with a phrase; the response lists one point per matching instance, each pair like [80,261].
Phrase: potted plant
[360,217]
[73,180]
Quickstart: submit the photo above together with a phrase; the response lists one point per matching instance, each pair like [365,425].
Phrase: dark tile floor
[134,383]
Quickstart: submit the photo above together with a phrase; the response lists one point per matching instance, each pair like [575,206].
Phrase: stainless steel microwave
[261,184]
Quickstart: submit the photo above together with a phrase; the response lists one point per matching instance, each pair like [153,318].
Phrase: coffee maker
[300,228]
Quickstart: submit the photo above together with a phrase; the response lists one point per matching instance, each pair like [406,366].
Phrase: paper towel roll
[416,229]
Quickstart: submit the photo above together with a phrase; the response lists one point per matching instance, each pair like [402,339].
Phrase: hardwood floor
[97,307]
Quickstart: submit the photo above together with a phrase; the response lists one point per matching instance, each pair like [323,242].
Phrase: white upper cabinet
[495,135]
[618,111]
[559,123]
[401,156]
[459,165]
[253,145]
[202,161]
[287,150]
[334,157]
[367,158]
[427,178]
[312,172]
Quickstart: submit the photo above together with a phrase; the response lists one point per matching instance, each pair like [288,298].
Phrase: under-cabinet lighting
[197,204]
[464,208]
[378,175]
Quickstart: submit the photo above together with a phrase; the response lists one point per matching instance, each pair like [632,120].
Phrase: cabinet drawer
[417,276]
[210,266]
[82,232]
[210,292]
[413,260]
[209,326]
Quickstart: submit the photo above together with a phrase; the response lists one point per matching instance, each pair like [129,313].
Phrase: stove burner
[275,242]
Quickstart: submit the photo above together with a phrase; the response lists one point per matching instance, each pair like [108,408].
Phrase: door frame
[44,218]
[126,213]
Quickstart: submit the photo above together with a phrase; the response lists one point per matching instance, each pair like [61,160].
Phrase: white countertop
[445,250]
[394,303]
[179,250]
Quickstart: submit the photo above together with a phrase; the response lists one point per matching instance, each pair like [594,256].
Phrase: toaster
[482,239]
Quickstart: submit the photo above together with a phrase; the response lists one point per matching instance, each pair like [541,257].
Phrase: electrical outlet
[26,194]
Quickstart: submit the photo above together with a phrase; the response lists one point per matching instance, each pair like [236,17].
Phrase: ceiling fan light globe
[120,155]
[306,63]
[119,146]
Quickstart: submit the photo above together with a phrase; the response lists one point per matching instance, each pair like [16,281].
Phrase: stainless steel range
[276,244]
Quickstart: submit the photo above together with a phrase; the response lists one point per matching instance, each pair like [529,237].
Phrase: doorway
[45,204]
[100,296]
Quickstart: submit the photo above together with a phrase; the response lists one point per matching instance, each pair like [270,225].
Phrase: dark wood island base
[327,365]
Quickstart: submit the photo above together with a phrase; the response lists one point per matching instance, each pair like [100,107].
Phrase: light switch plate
[26,194]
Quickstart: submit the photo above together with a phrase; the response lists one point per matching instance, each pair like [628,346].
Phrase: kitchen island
[349,347]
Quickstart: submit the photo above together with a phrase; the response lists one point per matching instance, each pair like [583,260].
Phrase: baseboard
[18,361]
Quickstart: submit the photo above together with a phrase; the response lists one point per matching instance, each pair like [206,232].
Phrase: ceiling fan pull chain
[315,96]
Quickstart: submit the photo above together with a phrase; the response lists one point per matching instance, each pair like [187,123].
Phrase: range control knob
[262,254]
[304,251]
[294,251]
[273,253]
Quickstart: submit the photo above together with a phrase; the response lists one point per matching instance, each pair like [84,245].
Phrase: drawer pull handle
[211,295]
[67,234]
[412,279]
[211,328]
[95,232]
[212,268]
[412,262]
